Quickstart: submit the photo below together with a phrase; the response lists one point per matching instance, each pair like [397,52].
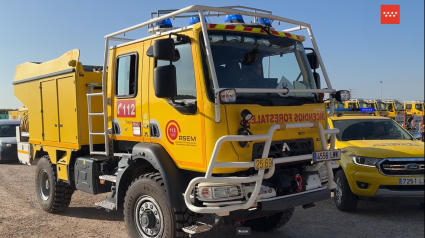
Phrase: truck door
[181,128]
[127,110]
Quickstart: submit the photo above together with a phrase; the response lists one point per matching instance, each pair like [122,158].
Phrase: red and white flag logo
[390,14]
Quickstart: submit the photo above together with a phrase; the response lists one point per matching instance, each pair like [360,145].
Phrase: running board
[108,204]
[111,178]
[198,228]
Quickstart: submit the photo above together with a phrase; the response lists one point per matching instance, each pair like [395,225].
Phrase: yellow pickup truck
[380,160]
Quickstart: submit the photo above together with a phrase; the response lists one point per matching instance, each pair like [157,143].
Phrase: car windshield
[419,107]
[245,60]
[8,130]
[336,105]
[381,106]
[366,105]
[370,129]
[399,106]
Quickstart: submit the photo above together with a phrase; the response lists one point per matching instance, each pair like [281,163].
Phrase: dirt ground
[21,217]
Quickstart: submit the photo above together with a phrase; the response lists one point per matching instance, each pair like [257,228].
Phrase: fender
[175,179]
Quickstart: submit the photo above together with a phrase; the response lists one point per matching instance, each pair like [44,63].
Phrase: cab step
[198,228]
[108,204]
[111,178]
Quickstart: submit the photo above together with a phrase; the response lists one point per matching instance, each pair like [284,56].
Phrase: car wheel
[345,200]
[147,211]
[53,195]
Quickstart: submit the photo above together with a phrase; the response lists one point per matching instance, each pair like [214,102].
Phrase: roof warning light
[264,21]
[234,18]
[164,23]
[194,20]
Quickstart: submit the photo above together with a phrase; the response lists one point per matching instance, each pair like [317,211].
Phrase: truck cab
[210,118]
[394,108]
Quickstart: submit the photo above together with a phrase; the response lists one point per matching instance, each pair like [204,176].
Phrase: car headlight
[365,161]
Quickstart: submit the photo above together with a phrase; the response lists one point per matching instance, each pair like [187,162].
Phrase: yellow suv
[379,159]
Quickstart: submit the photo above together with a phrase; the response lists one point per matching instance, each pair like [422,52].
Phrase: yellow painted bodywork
[392,114]
[197,134]
[414,110]
[374,149]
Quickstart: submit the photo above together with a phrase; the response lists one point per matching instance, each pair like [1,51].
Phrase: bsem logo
[173,134]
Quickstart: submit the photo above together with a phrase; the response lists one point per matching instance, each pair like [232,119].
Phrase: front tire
[270,223]
[52,195]
[147,211]
[345,200]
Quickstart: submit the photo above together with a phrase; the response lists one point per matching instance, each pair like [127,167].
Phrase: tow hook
[299,180]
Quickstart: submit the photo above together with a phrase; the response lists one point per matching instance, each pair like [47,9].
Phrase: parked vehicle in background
[8,149]
[380,161]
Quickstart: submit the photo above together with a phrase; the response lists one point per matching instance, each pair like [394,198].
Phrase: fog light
[362,185]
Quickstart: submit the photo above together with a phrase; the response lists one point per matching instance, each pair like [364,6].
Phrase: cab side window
[186,85]
[408,106]
[126,76]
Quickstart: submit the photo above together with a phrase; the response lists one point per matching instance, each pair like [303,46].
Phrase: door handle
[56,125]
[61,125]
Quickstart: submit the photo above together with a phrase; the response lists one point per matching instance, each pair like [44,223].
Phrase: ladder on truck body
[90,94]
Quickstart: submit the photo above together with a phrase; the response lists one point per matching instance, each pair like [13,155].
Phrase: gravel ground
[21,217]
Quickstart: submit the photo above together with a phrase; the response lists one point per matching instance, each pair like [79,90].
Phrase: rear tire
[345,200]
[270,223]
[147,210]
[52,195]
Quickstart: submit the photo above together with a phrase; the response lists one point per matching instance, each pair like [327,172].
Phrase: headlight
[210,192]
[6,145]
[365,161]
[228,95]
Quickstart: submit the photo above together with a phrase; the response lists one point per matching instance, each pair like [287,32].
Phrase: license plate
[266,163]
[326,155]
[411,181]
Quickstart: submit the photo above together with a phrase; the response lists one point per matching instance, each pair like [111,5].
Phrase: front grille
[401,166]
[296,147]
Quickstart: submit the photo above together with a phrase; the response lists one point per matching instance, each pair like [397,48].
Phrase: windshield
[8,130]
[245,60]
[366,105]
[399,106]
[367,129]
[419,107]
[336,105]
[381,106]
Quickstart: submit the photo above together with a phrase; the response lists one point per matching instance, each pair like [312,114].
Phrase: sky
[357,50]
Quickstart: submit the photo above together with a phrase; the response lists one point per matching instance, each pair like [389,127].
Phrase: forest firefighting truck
[395,110]
[186,122]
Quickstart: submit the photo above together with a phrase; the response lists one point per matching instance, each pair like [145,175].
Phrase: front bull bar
[258,179]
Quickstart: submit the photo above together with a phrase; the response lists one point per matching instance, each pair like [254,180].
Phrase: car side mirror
[342,95]
[165,81]
[164,49]
[312,60]
[317,80]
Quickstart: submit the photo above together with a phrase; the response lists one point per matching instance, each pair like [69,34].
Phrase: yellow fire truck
[394,108]
[223,119]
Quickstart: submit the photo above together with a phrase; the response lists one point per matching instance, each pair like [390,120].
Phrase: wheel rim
[148,217]
[44,185]
[338,191]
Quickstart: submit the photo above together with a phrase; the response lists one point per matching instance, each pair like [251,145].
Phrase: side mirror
[317,79]
[165,81]
[312,60]
[342,95]
[164,49]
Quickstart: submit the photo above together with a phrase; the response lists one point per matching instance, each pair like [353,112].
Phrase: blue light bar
[164,23]
[234,18]
[264,21]
[366,109]
[194,20]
